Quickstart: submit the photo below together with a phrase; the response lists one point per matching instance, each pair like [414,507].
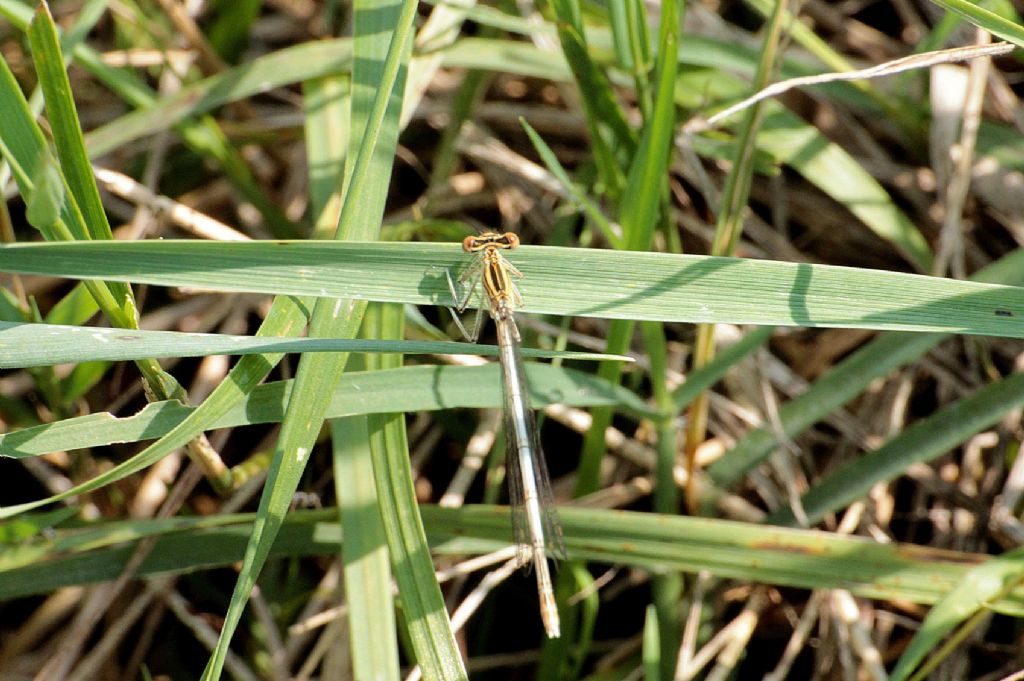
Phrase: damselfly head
[490,240]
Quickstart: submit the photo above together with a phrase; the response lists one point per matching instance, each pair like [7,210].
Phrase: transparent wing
[530,495]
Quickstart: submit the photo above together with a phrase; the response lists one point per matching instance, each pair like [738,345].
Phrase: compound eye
[469,244]
[511,239]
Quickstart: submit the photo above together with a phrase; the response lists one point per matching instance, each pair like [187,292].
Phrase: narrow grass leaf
[277,69]
[592,210]
[839,175]
[639,208]
[409,389]
[423,607]
[367,569]
[847,379]
[612,140]
[27,153]
[628,21]
[317,374]
[709,374]
[922,441]
[983,18]
[973,594]
[735,550]
[646,182]
[63,119]
[371,616]
[246,375]
[748,551]
[566,281]
[30,345]
[29,526]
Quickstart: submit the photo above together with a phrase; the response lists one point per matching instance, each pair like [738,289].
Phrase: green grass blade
[280,68]
[328,110]
[371,613]
[196,543]
[63,118]
[565,281]
[646,182]
[28,156]
[522,58]
[846,380]
[30,345]
[728,549]
[409,389]
[971,596]
[839,175]
[666,589]
[33,525]
[43,205]
[367,569]
[736,192]
[317,374]
[982,18]
[204,136]
[592,210]
[423,607]
[638,211]
[652,645]
[21,140]
[25,149]
[628,24]
[285,316]
[709,374]
[790,140]
[735,550]
[611,138]
[921,441]
[426,618]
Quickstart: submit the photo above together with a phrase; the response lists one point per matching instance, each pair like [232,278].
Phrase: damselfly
[534,518]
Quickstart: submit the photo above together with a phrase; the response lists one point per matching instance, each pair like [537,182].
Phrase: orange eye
[469,244]
[511,239]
